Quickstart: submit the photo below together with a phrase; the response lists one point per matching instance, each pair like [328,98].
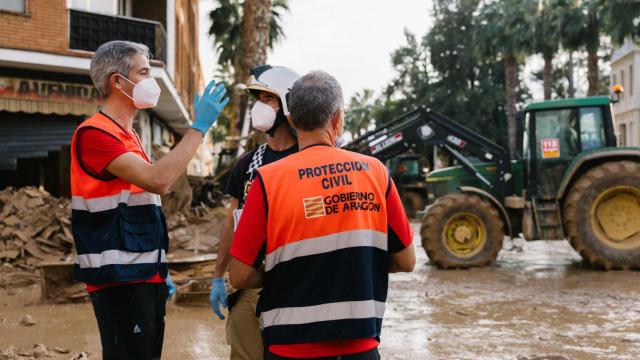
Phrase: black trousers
[372,354]
[131,320]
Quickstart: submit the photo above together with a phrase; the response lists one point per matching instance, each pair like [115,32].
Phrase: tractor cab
[555,132]
[408,175]
[406,169]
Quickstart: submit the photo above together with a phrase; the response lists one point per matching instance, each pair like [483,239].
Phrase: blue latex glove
[218,296]
[208,107]
[170,286]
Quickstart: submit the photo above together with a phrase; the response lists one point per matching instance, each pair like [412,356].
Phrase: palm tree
[594,26]
[242,31]
[226,29]
[623,17]
[360,113]
[503,32]
[588,20]
[546,40]
[571,35]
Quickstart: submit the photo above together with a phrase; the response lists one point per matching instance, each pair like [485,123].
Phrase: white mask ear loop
[130,82]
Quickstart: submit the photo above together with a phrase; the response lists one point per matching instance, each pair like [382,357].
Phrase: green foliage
[221,128]
[572,29]
[504,27]
[443,72]
[559,84]
[458,67]
[360,114]
[226,29]
[547,27]
[624,19]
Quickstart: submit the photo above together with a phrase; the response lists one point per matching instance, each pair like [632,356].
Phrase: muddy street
[536,302]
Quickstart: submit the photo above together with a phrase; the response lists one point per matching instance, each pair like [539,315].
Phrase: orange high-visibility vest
[118,228]
[326,258]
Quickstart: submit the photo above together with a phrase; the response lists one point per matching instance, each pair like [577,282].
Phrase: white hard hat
[274,79]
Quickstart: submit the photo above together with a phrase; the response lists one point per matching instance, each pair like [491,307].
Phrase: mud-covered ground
[536,302]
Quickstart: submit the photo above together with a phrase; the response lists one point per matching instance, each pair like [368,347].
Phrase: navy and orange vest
[119,229]
[326,256]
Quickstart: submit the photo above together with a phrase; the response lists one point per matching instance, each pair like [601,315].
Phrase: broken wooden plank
[9,254]
[11,221]
[33,249]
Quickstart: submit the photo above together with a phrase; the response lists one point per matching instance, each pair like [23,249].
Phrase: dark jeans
[372,354]
[131,320]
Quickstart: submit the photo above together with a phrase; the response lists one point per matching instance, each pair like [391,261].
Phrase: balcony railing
[88,30]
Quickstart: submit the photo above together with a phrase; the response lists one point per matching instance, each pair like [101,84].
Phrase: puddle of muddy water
[536,301]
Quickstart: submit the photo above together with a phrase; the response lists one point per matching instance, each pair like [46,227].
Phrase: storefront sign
[44,90]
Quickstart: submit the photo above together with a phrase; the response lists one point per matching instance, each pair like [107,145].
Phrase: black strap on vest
[256,161]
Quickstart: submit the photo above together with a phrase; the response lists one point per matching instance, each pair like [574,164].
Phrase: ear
[289,120]
[336,123]
[335,120]
[115,81]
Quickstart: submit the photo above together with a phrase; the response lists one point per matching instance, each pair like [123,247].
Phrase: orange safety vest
[119,229]
[326,258]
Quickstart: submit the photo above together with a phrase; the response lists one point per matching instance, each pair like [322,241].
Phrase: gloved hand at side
[170,286]
[218,296]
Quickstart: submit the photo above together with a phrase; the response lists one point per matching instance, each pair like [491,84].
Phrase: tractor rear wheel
[602,216]
[412,202]
[462,231]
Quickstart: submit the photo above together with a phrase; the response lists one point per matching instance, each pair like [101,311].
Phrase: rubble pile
[195,234]
[34,227]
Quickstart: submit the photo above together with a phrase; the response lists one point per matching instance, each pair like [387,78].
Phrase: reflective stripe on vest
[323,312]
[325,244]
[111,202]
[326,228]
[119,229]
[119,257]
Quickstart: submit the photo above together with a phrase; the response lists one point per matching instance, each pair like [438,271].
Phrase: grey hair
[314,99]
[113,57]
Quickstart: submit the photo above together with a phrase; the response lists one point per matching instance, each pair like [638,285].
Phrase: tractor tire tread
[431,230]
[573,206]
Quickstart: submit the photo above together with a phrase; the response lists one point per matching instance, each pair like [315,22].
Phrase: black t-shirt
[238,184]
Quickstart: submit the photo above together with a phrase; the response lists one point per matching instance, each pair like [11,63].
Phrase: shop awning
[170,107]
[47,107]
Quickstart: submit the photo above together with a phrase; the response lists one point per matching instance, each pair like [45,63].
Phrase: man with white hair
[330,226]
[119,229]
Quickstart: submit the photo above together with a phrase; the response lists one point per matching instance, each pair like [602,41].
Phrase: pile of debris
[34,227]
[195,234]
[35,230]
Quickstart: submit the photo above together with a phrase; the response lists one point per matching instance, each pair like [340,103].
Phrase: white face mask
[145,93]
[263,116]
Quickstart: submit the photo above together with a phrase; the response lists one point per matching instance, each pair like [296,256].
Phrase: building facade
[625,62]
[46,91]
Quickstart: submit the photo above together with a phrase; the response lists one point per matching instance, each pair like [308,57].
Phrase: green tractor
[569,180]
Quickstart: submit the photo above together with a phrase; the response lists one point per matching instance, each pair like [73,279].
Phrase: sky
[350,39]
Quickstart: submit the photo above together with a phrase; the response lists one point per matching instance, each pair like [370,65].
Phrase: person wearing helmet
[269,86]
